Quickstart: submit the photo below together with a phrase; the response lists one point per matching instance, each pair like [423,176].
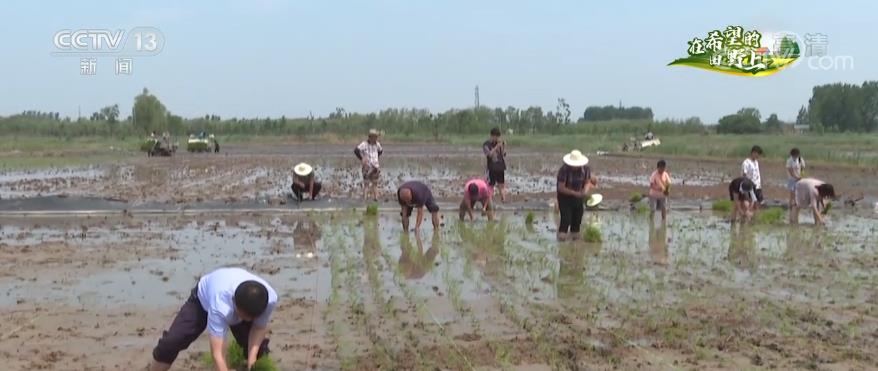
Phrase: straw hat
[374,132]
[575,158]
[594,200]
[303,169]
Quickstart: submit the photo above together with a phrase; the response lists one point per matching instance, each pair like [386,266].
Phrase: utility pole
[477,97]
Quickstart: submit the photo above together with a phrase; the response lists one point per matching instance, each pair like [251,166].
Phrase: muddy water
[297,253]
[356,293]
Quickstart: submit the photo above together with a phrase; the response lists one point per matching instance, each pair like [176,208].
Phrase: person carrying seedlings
[369,152]
[742,192]
[414,194]
[750,170]
[574,183]
[304,181]
[811,193]
[477,190]
[659,189]
[495,151]
[795,169]
[225,299]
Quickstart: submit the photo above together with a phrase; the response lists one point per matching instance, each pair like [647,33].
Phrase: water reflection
[571,269]
[305,237]
[742,245]
[486,245]
[414,262]
[658,243]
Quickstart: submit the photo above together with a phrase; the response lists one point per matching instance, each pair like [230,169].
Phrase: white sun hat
[594,200]
[575,158]
[303,169]
[374,132]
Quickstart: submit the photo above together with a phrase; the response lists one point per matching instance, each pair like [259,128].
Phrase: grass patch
[529,219]
[372,209]
[592,234]
[235,359]
[722,206]
[771,215]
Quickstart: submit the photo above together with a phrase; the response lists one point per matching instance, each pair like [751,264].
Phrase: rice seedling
[592,234]
[372,209]
[235,359]
[771,215]
[529,219]
[826,208]
[635,197]
[722,206]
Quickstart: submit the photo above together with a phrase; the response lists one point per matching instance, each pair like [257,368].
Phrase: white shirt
[750,169]
[370,152]
[216,292]
[796,166]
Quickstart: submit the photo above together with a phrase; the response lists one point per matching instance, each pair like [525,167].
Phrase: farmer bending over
[227,298]
[810,193]
[477,190]
[742,192]
[416,194]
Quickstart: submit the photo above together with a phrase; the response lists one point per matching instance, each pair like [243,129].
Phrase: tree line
[833,107]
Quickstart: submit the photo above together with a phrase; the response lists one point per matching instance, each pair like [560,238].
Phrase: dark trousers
[190,322]
[300,191]
[571,213]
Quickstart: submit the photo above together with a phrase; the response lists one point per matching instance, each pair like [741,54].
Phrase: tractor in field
[649,140]
[202,143]
[155,146]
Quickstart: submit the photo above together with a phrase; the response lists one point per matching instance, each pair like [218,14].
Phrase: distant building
[801,128]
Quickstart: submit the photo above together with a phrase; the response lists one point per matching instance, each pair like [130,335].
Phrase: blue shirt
[216,292]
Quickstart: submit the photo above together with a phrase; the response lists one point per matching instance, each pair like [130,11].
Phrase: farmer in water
[495,151]
[750,170]
[304,182]
[414,194]
[810,193]
[659,188]
[227,298]
[574,183]
[742,192]
[795,169]
[476,190]
[368,152]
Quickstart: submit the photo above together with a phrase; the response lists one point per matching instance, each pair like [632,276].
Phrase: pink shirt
[485,191]
[657,184]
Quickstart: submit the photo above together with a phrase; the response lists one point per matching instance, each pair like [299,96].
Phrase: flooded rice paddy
[357,293]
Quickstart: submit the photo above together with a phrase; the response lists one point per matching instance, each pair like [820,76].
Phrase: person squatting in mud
[225,299]
[304,181]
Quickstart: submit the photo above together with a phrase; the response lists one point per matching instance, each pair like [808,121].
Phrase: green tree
[745,121]
[149,114]
[772,124]
[802,117]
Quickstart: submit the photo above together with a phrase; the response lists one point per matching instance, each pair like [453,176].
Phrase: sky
[271,58]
